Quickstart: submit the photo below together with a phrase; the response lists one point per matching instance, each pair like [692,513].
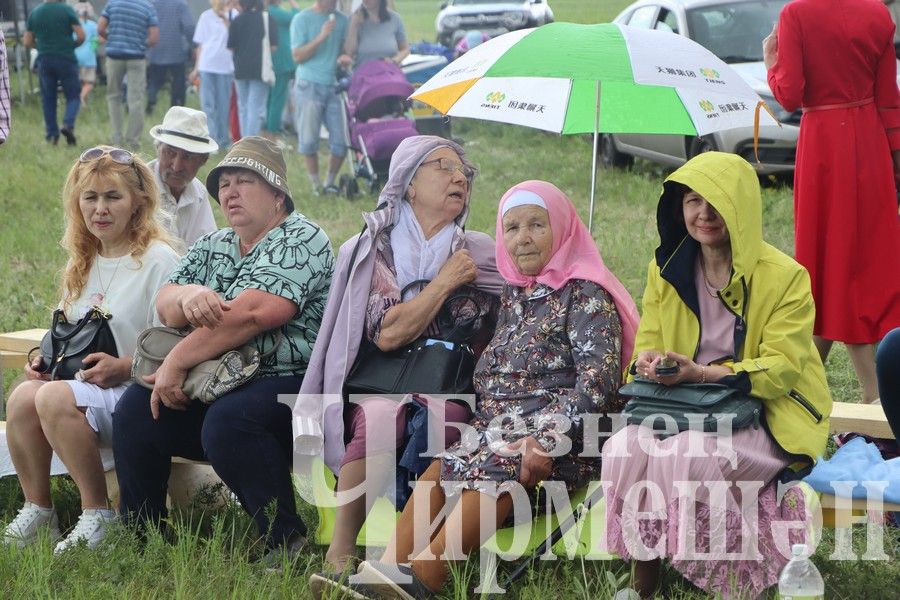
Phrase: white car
[491,17]
[733,30]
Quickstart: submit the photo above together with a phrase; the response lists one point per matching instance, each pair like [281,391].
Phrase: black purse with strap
[439,365]
[65,345]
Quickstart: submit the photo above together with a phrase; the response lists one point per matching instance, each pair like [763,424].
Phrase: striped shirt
[129,22]
[176,30]
[4,91]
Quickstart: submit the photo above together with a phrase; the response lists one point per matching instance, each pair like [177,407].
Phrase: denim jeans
[246,435]
[887,368]
[253,96]
[215,98]
[314,103]
[53,72]
[156,79]
[135,69]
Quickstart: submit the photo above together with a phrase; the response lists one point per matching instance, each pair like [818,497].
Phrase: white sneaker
[23,530]
[90,528]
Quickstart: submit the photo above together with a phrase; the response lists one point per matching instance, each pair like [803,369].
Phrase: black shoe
[388,581]
[338,585]
[69,135]
[53,139]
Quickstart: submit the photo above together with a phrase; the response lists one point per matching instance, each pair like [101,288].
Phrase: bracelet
[702,373]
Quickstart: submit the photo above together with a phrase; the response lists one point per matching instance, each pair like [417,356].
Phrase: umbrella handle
[594,160]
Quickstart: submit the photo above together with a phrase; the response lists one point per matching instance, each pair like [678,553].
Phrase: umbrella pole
[594,160]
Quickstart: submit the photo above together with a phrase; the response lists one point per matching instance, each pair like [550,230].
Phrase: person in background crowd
[5,116]
[86,53]
[843,73]
[245,37]
[168,57]
[119,257]
[282,63]
[375,33]
[317,38]
[887,362]
[263,281]
[49,28]
[215,67]
[129,28]
[469,41]
[183,146]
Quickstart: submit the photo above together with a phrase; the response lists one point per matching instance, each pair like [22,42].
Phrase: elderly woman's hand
[535,465]
[167,382]
[459,270]
[202,306]
[688,371]
[770,47]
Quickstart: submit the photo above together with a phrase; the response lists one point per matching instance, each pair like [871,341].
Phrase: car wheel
[609,156]
[699,145]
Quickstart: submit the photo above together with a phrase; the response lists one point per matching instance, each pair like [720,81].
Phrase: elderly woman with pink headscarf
[564,334]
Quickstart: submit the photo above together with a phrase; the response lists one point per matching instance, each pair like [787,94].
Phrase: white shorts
[100,403]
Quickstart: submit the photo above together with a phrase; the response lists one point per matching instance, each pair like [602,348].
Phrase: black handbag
[713,401]
[65,345]
[443,365]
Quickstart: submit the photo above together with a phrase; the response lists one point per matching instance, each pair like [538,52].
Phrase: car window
[734,31]
[643,17]
[666,21]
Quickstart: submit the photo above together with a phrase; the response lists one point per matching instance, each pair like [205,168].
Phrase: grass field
[209,558]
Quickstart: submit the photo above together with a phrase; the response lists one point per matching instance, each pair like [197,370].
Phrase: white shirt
[211,34]
[189,217]
[127,289]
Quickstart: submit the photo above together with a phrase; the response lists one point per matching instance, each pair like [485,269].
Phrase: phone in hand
[666,366]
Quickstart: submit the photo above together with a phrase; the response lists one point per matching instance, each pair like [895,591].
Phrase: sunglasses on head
[119,155]
[451,166]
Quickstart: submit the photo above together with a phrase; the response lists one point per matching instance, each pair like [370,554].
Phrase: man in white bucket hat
[183,145]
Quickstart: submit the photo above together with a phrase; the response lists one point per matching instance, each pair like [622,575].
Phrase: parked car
[492,17]
[733,30]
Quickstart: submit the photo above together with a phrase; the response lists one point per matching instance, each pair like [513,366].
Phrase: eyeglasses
[123,157]
[451,166]
[117,155]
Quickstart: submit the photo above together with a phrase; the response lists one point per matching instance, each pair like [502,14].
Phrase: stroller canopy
[372,82]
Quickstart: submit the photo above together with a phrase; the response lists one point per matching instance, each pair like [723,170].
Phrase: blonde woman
[118,258]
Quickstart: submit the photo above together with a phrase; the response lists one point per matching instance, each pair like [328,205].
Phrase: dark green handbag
[713,401]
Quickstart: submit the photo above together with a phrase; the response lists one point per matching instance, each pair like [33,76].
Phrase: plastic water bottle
[800,579]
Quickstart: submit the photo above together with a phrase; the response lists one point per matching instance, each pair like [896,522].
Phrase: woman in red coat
[835,58]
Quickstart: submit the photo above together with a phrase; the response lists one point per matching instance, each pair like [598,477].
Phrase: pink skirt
[708,505]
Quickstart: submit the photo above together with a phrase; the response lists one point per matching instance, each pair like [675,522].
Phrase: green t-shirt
[294,261]
[51,23]
[321,66]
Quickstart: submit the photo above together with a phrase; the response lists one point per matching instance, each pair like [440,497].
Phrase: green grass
[209,557]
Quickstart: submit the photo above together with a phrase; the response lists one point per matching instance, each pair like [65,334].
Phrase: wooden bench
[868,419]
[14,348]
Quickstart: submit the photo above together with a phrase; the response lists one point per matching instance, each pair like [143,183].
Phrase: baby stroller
[376,99]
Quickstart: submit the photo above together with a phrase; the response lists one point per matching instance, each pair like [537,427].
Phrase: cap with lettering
[255,154]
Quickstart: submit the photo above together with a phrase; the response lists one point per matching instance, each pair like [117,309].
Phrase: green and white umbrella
[571,78]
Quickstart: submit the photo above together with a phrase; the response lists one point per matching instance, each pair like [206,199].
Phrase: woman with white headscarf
[415,234]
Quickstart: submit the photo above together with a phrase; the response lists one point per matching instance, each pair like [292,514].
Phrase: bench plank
[12,360]
[860,418]
[21,341]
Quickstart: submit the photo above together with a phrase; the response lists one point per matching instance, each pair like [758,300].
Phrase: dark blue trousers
[245,435]
[887,367]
